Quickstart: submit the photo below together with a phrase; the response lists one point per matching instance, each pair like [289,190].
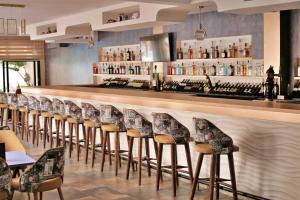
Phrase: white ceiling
[41,10]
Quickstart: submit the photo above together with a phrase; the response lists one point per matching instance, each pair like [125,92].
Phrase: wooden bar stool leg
[148,156]
[37,130]
[60,193]
[212,176]
[189,161]
[140,155]
[70,138]
[93,145]
[22,125]
[173,163]
[119,149]
[103,152]
[63,130]
[33,129]
[130,147]
[2,116]
[116,153]
[57,124]
[108,148]
[51,132]
[41,196]
[176,161]
[45,130]
[232,175]
[197,172]
[159,158]
[77,140]
[27,126]
[87,137]
[218,160]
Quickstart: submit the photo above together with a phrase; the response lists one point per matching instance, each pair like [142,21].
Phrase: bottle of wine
[190,53]
[213,51]
[128,55]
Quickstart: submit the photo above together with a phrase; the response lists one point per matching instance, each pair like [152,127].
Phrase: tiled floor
[82,182]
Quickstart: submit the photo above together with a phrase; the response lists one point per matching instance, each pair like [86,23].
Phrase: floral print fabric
[23,101]
[3,97]
[111,115]
[46,105]
[5,177]
[34,103]
[12,99]
[164,123]
[91,113]
[50,165]
[208,133]
[136,121]
[71,109]
[58,107]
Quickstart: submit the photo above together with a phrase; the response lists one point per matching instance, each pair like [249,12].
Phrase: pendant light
[200,33]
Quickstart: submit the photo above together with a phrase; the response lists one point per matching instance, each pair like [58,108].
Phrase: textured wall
[75,61]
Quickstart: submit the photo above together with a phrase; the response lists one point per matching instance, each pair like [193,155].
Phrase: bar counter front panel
[268,164]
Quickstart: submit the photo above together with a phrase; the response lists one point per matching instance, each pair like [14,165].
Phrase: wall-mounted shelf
[46,29]
[121,14]
[214,60]
[121,62]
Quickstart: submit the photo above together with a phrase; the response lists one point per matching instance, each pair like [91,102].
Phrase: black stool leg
[130,145]
[218,176]
[108,148]
[159,158]
[87,143]
[232,175]
[70,139]
[212,176]
[93,145]
[197,172]
[173,161]
[116,153]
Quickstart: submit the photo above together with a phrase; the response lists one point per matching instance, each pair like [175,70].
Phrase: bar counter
[268,133]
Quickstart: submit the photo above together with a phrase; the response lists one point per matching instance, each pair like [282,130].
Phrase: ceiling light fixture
[200,33]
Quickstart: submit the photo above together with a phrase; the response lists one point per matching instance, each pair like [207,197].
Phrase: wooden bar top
[261,110]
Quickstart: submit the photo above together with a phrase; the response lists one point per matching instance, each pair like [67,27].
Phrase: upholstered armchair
[165,124]
[5,180]
[46,174]
[208,133]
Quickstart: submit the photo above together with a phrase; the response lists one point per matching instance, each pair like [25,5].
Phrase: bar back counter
[268,164]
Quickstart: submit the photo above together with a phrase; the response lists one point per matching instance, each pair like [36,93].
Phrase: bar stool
[140,128]
[210,140]
[3,109]
[112,121]
[35,107]
[24,115]
[91,117]
[74,118]
[168,131]
[47,114]
[12,100]
[59,113]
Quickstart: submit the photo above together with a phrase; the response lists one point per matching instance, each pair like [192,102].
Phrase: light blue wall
[72,65]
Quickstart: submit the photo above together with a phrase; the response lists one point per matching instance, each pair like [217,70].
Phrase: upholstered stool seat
[208,148]
[109,128]
[210,140]
[168,131]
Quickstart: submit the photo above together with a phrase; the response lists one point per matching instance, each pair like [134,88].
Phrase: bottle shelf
[118,62]
[213,60]
[123,75]
[203,76]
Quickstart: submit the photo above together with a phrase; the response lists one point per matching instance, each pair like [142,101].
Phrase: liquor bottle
[217,53]
[114,56]
[107,57]
[238,71]
[190,53]
[204,69]
[244,69]
[276,89]
[246,52]
[174,70]
[180,54]
[178,70]
[231,70]
[249,69]
[183,69]
[213,51]
[235,51]
[214,70]
[169,69]
[225,70]
[224,54]
[132,56]
[200,53]
[230,52]
[128,55]
[194,69]
[121,57]
[154,78]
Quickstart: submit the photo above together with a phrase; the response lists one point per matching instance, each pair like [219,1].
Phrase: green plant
[17,66]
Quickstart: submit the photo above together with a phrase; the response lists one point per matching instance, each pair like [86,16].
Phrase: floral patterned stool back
[46,174]
[112,121]
[23,104]
[47,115]
[210,140]
[91,116]
[35,112]
[74,118]
[168,131]
[3,109]
[5,180]
[140,128]
[12,101]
